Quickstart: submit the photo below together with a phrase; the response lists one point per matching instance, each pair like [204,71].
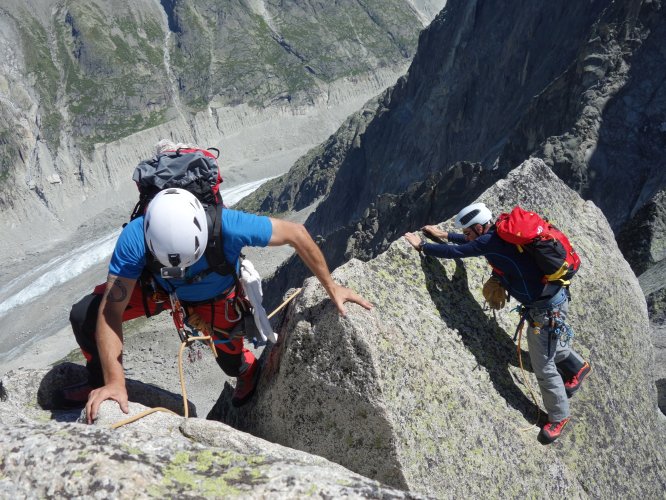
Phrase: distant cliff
[100,71]
[579,84]
[87,88]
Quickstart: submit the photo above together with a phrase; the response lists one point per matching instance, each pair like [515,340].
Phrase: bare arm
[109,337]
[289,233]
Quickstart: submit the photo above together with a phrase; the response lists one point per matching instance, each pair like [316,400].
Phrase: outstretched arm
[474,248]
[415,240]
[290,233]
[109,337]
[435,232]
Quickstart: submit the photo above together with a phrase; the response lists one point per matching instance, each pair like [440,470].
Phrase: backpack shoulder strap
[217,262]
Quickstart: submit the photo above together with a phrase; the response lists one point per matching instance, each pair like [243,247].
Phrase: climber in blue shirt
[173,234]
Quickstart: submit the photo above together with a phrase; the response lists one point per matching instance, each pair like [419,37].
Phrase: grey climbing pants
[545,359]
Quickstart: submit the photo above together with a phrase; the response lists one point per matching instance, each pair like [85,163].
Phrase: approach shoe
[245,386]
[552,430]
[574,383]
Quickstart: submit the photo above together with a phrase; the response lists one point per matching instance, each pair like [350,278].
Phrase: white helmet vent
[477,213]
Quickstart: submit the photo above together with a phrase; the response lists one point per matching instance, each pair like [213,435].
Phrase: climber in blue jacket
[559,369]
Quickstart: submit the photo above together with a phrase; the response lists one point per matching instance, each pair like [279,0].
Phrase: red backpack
[548,245]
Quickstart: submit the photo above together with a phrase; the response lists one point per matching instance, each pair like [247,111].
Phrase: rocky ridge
[594,110]
[425,392]
[46,453]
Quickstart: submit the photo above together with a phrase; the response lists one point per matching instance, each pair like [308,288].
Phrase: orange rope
[181,374]
[289,299]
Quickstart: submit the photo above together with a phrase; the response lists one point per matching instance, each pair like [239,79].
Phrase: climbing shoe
[574,383]
[246,384]
[73,396]
[552,430]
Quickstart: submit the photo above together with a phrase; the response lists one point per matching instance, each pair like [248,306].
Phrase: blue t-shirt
[240,230]
[518,271]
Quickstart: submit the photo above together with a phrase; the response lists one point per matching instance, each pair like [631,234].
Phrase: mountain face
[643,239]
[104,70]
[579,85]
[476,71]
[601,125]
[86,88]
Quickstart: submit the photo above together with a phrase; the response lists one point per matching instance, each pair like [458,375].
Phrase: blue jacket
[517,271]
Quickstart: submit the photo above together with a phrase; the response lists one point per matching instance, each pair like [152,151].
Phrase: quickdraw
[522,310]
[178,315]
[559,329]
[187,335]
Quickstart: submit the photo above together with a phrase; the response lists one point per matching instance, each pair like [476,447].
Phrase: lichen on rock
[424,392]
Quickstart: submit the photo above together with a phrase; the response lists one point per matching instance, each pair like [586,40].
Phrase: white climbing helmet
[477,213]
[175,228]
